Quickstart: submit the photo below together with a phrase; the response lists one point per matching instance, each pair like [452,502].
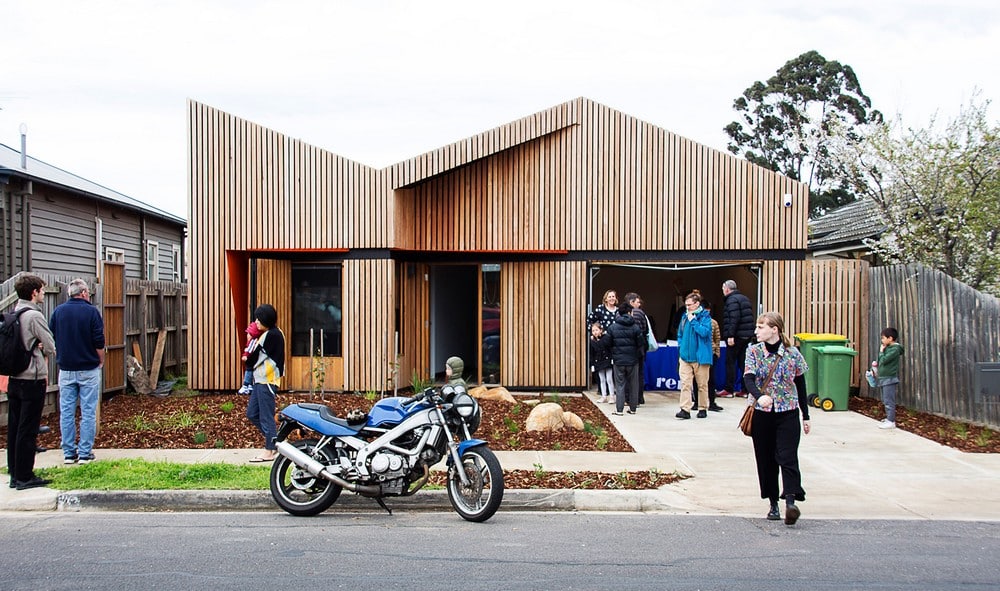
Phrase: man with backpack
[79,331]
[25,348]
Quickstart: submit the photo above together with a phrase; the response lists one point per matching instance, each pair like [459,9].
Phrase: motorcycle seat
[325,414]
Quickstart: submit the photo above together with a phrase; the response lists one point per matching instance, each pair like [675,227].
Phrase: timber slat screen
[820,296]
[945,327]
[113,310]
[579,177]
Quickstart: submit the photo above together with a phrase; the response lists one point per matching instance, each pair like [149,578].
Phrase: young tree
[938,192]
[786,124]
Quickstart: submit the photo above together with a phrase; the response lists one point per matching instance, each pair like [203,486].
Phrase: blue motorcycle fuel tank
[311,416]
[390,411]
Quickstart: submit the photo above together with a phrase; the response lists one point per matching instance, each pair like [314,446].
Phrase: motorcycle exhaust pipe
[317,469]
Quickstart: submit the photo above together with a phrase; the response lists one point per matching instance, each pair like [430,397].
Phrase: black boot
[791,512]
[773,514]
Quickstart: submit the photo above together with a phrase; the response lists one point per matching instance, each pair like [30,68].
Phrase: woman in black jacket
[628,341]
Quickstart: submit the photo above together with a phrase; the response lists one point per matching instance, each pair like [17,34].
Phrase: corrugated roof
[849,224]
[10,163]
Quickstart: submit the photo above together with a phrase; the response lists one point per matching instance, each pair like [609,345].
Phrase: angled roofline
[39,171]
[487,143]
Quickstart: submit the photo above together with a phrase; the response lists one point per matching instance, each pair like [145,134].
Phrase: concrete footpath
[851,470]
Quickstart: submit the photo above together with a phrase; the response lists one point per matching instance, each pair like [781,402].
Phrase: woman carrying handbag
[775,377]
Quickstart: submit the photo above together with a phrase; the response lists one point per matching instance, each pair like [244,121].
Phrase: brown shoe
[792,514]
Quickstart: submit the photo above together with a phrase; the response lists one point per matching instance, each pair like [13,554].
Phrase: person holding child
[268,362]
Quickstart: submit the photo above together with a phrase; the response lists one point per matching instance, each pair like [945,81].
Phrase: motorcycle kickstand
[383,505]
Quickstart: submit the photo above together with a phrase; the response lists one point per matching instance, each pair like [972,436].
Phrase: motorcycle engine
[386,465]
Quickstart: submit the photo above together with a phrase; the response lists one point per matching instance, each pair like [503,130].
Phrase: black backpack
[14,358]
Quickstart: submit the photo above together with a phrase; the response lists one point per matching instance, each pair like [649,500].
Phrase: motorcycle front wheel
[296,490]
[480,499]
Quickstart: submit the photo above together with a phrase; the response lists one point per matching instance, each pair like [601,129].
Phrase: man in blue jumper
[79,331]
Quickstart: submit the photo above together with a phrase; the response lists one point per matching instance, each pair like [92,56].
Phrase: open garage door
[662,287]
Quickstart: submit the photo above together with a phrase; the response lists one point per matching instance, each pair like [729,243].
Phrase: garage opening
[662,288]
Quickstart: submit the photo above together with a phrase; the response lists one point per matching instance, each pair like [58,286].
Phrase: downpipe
[319,470]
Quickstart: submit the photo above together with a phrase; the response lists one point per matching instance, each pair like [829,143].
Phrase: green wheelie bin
[807,343]
[835,363]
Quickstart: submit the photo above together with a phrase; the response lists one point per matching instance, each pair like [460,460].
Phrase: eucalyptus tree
[786,123]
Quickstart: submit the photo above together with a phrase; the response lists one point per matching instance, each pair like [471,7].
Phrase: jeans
[889,386]
[260,411]
[83,387]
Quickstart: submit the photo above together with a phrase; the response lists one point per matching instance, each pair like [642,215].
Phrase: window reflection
[316,305]
[491,324]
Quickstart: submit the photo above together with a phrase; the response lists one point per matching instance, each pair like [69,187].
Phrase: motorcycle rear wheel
[296,490]
[481,498]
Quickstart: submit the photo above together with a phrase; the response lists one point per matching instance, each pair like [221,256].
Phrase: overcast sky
[102,85]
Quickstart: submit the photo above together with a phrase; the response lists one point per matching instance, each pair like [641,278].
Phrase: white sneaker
[602,400]
[611,400]
[886,425]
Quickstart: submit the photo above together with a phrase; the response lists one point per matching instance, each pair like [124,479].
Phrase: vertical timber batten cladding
[543,197]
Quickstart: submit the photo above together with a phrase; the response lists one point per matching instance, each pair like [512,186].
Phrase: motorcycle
[386,452]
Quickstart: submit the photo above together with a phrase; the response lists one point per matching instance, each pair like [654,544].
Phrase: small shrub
[181,420]
[516,409]
[539,471]
[514,442]
[983,439]
[961,430]
[140,423]
[227,406]
[553,397]
[512,425]
[220,443]
[200,437]
[371,395]
[556,446]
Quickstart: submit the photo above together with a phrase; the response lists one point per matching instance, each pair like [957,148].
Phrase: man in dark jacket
[79,331]
[738,323]
[628,342]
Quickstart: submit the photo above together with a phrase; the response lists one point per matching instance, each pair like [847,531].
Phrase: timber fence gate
[946,329]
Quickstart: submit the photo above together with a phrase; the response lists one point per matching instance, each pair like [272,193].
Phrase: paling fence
[148,317]
[946,328]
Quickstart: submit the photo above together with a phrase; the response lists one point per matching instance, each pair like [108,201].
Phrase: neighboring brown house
[493,247]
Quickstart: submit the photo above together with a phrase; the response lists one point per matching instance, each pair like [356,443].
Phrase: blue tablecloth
[661,369]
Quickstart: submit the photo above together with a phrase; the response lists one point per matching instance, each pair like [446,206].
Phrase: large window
[316,310]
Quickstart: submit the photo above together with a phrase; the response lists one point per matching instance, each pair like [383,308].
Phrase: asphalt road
[188,551]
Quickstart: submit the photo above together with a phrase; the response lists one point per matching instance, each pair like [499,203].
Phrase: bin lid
[836,350]
[820,336]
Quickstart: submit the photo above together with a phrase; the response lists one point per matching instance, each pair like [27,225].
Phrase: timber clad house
[493,248]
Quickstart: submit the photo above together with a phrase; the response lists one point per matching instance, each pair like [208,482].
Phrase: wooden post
[154,371]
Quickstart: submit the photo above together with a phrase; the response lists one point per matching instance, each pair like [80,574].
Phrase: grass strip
[138,474]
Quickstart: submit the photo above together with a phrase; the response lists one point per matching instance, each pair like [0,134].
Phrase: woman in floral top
[777,403]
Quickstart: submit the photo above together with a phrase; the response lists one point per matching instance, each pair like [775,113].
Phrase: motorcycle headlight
[465,405]
[447,392]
